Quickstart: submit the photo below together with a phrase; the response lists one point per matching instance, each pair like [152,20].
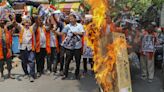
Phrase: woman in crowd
[72,44]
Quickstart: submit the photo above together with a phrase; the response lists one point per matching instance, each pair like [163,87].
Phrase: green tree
[137,6]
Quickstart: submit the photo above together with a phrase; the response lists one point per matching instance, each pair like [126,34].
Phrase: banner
[148,43]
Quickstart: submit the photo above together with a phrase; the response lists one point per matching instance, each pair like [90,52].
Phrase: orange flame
[103,65]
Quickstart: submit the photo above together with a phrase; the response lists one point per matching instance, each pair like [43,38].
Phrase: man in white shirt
[27,48]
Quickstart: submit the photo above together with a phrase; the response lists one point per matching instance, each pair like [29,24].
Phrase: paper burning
[110,52]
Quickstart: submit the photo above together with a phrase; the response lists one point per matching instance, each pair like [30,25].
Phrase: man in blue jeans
[26,46]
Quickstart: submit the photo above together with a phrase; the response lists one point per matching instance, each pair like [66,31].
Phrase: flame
[103,65]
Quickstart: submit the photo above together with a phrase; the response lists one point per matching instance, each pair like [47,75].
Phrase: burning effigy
[111,63]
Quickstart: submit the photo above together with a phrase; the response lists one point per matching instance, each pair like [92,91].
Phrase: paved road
[143,85]
[50,83]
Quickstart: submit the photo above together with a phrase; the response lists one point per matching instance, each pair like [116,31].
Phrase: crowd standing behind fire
[59,39]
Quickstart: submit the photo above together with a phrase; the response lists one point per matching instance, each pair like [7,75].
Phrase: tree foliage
[137,6]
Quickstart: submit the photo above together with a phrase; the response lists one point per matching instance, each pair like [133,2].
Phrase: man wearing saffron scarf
[42,44]
[26,46]
[5,49]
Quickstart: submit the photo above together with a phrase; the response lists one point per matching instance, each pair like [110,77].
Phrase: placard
[148,43]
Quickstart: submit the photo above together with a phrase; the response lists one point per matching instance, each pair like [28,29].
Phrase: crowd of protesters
[53,40]
[145,45]
[58,39]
